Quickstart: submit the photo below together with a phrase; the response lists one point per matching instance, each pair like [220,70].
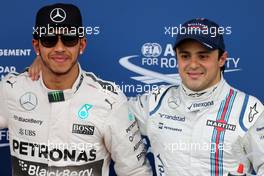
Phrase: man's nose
[60,47]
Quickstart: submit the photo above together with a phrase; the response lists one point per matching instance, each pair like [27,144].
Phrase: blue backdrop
[129,42]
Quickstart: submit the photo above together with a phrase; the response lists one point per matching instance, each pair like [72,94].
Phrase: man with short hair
[68,122]
[199,127]
[193,128]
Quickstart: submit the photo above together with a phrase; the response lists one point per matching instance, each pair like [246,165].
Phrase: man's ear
[35,44]
[83,43]
[223,59]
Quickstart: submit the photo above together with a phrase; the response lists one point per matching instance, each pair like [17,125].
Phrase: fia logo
[151,50]
[83,112]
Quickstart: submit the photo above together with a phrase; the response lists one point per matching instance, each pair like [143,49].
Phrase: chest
[33,118]
[197,131]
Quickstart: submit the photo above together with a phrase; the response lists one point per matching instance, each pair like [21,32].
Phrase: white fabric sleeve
[254,145]
[124,142]
[3,109]
[139,106]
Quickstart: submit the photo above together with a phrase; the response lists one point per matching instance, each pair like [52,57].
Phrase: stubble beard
[56,73]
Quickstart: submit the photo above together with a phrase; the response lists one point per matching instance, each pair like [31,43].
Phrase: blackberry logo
[22,165]
[29,168]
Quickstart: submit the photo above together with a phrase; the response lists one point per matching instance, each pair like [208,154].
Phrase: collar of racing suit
[67,93]
[195,101]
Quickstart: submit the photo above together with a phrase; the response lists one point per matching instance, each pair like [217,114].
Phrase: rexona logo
[157,64]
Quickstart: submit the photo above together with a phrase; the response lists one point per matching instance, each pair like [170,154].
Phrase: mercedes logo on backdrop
[58,15]
[28,101]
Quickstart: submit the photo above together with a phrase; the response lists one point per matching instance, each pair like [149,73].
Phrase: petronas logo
[56,96]
[83,112]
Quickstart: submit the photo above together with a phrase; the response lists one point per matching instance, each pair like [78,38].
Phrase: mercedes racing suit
[194,133]
[74,132]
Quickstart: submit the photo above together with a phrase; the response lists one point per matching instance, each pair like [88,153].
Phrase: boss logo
[83,129]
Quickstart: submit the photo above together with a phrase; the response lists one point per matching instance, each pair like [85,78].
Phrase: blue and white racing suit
[254,145]
[195,133]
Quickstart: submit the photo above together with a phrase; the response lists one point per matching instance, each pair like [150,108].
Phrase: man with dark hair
[194,128]
[199,127]
[68,122]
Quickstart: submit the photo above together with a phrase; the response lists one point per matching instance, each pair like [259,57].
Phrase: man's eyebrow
[204,52]
[183,51]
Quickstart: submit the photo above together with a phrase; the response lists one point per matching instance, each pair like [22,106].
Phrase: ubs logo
[26,132]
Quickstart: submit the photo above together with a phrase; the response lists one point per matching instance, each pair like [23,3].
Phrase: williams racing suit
[195,133]
[74,132]
[254,145]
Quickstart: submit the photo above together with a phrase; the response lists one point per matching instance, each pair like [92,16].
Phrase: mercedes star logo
[58,15]
[174,102]
[28,101]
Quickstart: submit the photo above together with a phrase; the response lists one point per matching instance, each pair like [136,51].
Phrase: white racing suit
[195,133]
[254,142]
[74,132]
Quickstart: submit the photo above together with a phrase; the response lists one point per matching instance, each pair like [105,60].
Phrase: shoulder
[15,79]
[251,109]
[105,88]
[158,96]
[159,93]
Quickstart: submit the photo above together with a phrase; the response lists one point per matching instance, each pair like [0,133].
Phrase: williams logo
[153,57]
[83,112]
[83,129]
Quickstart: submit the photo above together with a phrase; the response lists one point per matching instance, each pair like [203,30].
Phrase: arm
[3,110]
[254,145]
[123,141]
[139,106]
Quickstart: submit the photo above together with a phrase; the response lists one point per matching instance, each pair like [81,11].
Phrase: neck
[203,93]
[57,81]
